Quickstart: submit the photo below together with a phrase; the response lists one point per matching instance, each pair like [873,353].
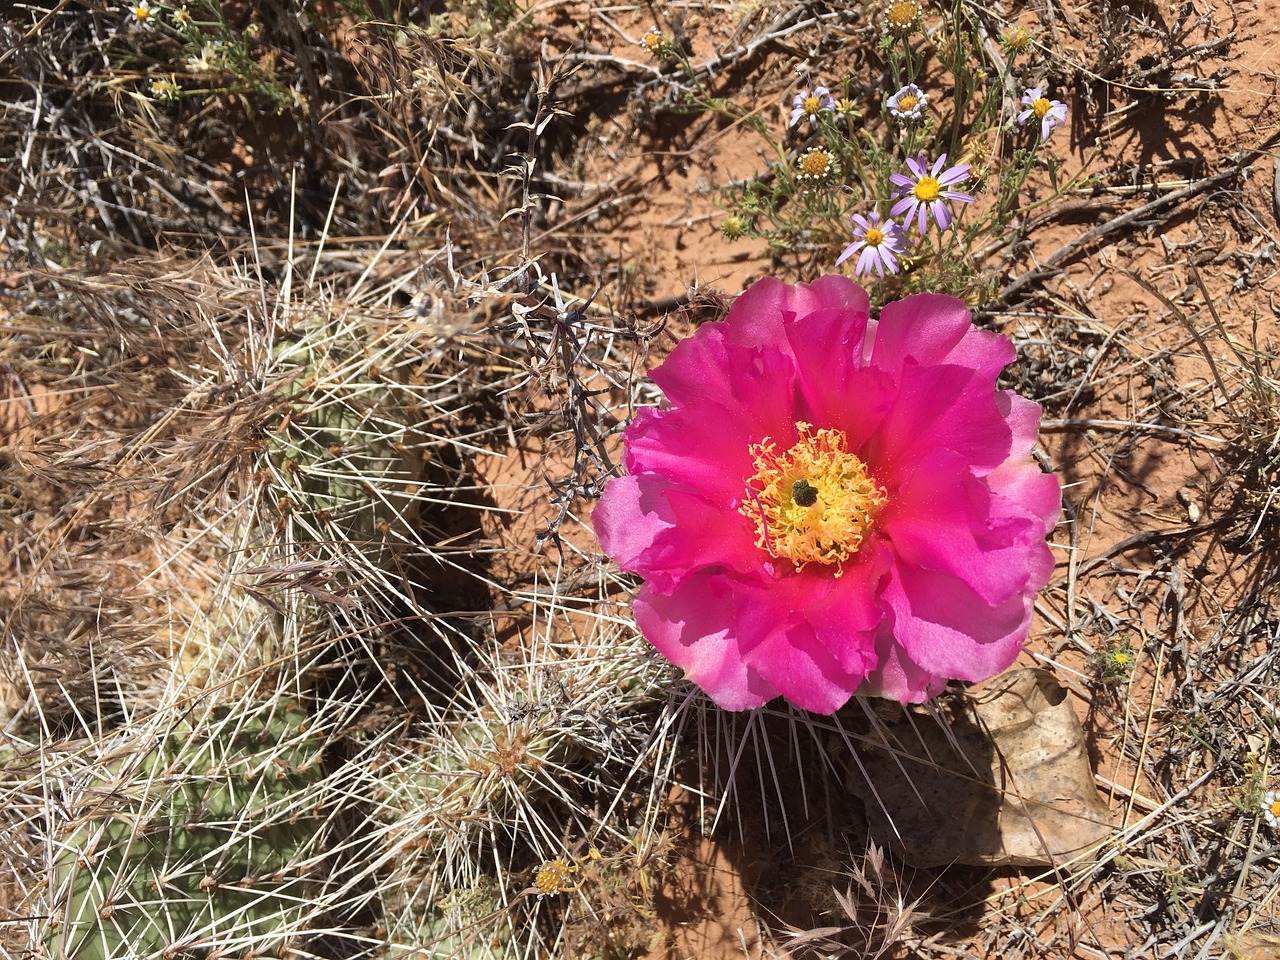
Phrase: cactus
[202,844]
[339,457]
[461,924]
[518,776]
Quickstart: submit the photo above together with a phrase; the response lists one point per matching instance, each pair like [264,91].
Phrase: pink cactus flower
[830,505]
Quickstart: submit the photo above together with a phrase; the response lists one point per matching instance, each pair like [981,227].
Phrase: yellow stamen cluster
[816,164]
[812,104]
[1041,107]
[553,877]
[874,237]
[904,16]
[815,502]
[656,43]
[1274,808]
[907,103]
[926,189]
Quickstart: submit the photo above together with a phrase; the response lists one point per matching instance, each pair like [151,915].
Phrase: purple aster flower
[908,103]
[881,244]
[810,103]
[924,190]
[1050,113]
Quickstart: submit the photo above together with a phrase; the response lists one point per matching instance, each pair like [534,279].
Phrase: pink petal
[937,407]
[1023,417]
[697,368]
[946,628]
[1018,485]
[757,316]
[897,676]
[941,520]
[1024,490]
[829,293]
[746,642]
[931,329]
[701,446]
[665,533]
[691,630]
[748,383]
[828,348]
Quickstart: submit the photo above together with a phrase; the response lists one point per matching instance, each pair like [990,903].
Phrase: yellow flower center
[903,14]
[874,237]
[907,103]
[815,502]
[141,13]
[812,104]
[815,163]
[1041,107]
[1274,809]
[653,41]
[555,876]
[926,190]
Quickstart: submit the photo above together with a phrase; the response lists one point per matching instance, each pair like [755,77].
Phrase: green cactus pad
[204,846]
[339,443]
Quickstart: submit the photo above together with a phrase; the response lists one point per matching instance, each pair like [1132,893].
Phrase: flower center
[926,189]
[907,103]
[874,237]
[902,14]
[815,502]
[815,163]
[812,104]
[1041,107]
[555,876]
[653,41]
[1275,808]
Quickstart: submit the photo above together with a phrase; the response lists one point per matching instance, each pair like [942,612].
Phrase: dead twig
[1016,288]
